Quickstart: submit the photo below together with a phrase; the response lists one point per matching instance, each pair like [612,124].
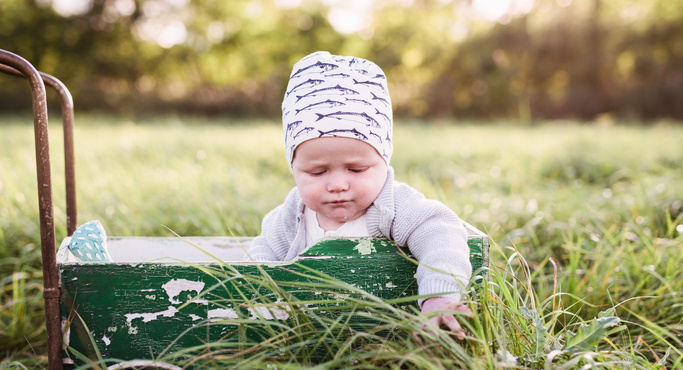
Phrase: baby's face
[338,178]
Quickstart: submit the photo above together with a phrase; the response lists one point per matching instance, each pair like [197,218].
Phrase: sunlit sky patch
[491,9]
[350,16]
[287,4]
[162,23]
[497,10]
[354,16]
[69,8]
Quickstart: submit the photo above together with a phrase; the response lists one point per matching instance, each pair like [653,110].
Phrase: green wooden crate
[167,294]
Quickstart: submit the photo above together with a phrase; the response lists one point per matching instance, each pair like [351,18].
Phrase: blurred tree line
[542,59]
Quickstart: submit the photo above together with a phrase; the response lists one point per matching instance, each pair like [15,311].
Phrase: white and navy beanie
[330,95]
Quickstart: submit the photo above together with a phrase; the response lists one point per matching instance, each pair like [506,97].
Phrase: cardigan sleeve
[438,240]
[260,249]
[278,230]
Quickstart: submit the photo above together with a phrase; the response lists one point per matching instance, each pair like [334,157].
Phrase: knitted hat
[330,95]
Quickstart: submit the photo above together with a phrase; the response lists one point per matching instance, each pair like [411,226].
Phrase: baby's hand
[448,319]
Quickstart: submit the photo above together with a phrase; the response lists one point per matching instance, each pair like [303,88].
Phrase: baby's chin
[338,217]
[346,216]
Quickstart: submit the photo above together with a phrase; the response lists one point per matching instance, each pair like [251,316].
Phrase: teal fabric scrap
[89,243]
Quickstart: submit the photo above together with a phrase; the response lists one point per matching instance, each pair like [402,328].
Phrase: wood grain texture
[145,309]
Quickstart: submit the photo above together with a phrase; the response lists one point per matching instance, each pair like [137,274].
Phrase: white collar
[354,228]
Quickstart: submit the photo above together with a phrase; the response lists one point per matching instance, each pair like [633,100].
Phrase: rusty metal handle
[51,289]
[68,124]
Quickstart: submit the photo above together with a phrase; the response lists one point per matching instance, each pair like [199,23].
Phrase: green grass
[584,219]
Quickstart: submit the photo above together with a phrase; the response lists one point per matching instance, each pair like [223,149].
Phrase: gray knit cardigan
[433,233]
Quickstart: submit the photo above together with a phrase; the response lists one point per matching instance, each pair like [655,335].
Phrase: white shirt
[353,228]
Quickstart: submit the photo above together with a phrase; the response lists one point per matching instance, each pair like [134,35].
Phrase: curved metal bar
[69,158]
[51,289]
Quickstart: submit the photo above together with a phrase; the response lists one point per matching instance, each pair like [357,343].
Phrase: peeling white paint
[223,313]
[147,317]
[112,329]
[390,285]
[175,286]
[67,337]
[106,340]
[194,317]
[267,313]
[143,364]
[364,247]
[151,297]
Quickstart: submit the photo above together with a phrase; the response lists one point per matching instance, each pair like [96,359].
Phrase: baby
[337,121]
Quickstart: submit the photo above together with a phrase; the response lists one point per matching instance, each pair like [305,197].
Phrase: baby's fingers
[434,322]
[453,325]
[432,326]
[466,310]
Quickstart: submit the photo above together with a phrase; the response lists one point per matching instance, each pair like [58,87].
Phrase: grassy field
[585,223]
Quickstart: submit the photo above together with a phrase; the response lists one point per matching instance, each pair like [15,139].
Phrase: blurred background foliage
[523,60]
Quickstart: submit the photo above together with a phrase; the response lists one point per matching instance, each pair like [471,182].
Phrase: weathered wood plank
[141,309]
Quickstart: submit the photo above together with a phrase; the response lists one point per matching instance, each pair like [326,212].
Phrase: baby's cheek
[310,196]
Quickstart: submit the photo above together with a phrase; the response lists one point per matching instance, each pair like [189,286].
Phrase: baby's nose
[337,183]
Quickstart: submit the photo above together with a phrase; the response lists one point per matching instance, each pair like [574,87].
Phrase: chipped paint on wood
[132,296]
[267,313]
[147,317]
[67,335]
[365,247]
[174,287]
[222,313]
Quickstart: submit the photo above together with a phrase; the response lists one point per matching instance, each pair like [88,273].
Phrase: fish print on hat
[330,95]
